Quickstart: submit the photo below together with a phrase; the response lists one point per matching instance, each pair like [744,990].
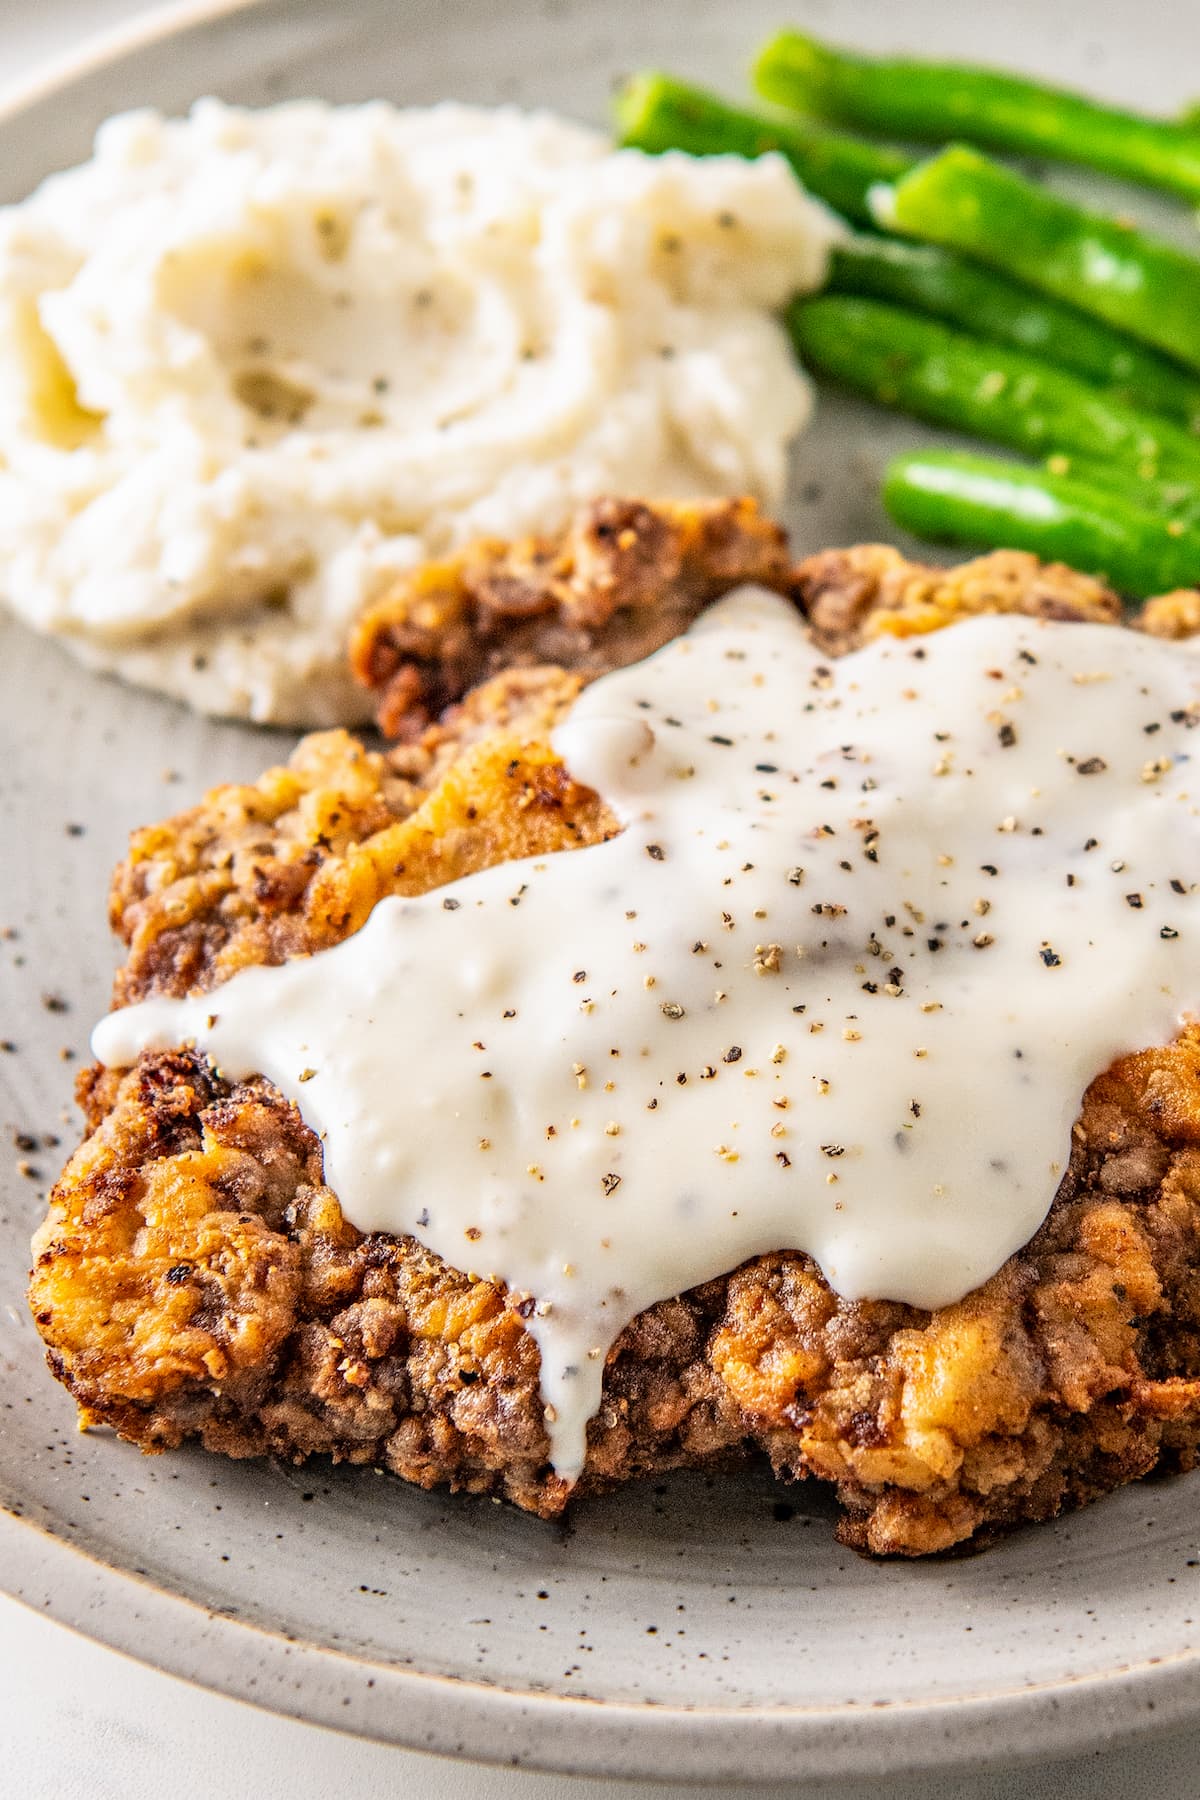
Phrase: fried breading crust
[195,1278]
[625,576]
[621,580]
[871,591]
[295,862]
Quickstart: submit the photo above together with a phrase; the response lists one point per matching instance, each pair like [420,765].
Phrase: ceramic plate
[697,1628]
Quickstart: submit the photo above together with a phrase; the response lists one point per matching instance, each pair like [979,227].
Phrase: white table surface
[78,1722]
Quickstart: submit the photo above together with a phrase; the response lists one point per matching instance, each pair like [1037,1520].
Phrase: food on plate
[616,583]
[908,97]
[462,1064]
[655,112]
[297,862]
[1074,331]
[906,360]
[254,364]
[988,305]
[1106,266]
[871,590]
[1147,537]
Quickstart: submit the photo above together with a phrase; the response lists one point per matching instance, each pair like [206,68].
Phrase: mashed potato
[254,363]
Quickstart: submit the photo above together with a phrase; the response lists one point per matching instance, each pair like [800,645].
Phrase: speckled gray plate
[696,1630]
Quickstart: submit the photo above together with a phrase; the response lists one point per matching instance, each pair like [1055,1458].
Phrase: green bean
[907,98]
[1137,283]
[654,112]
[948,287]
[920,366]
[955,498]
[1174,499]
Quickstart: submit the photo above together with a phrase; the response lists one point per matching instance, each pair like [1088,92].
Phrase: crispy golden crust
[296,861]
[1175,615]
[871,590]
[195,1278]
[617,583]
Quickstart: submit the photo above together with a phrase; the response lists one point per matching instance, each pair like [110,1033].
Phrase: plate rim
[562,1734]
[574,1734]
[99,48]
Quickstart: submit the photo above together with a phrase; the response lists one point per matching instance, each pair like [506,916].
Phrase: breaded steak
[195,1277]
[616,584]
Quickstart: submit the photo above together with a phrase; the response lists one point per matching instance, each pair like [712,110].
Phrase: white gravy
[871,929]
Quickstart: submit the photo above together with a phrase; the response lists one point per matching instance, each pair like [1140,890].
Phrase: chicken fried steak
[621,580]
[195,1278]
